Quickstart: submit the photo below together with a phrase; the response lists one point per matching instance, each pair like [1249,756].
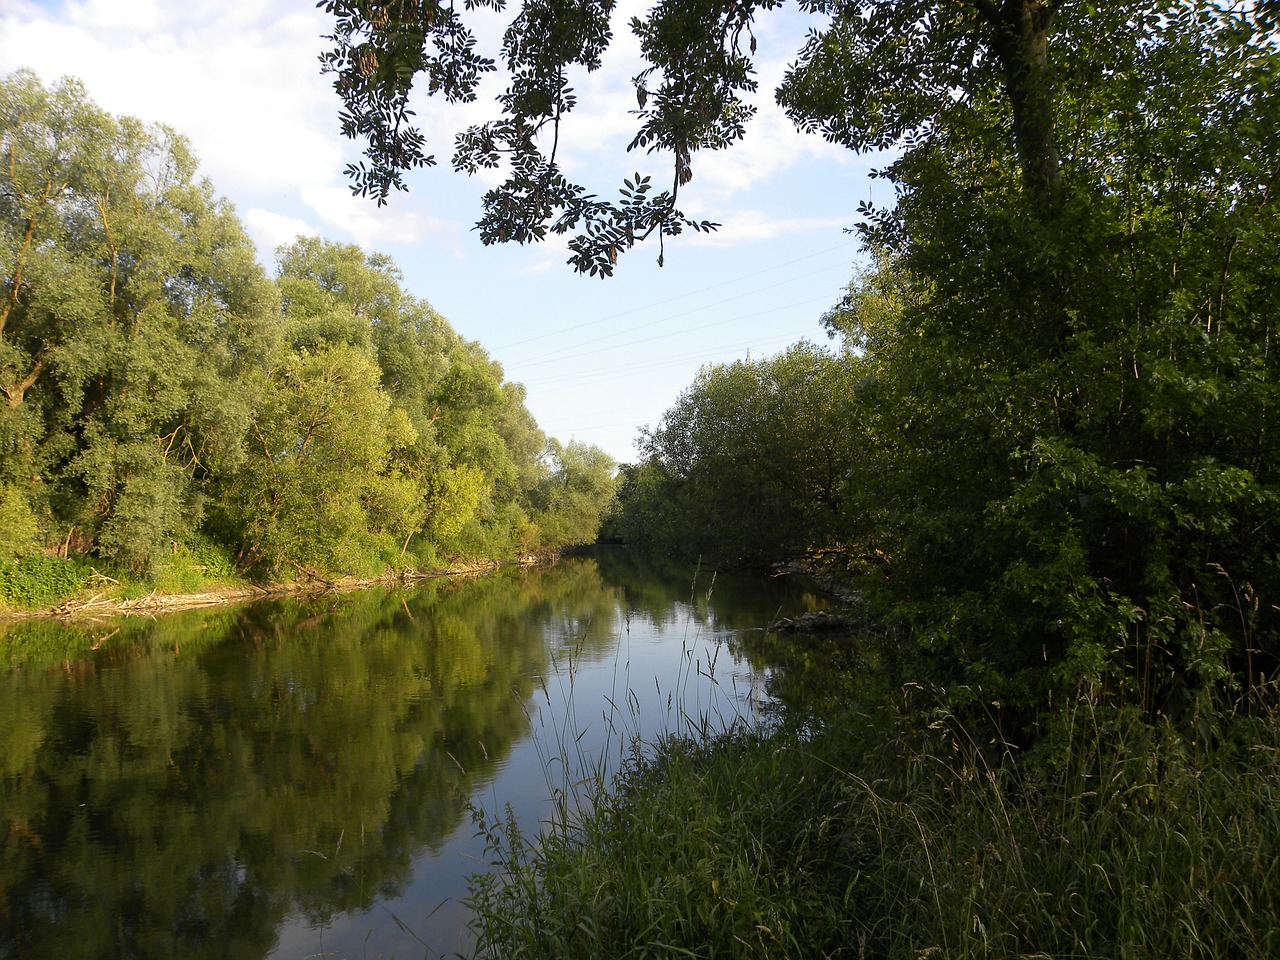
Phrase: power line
[553,354]
[661,336]
[685,296]
[648,417]
[569,381]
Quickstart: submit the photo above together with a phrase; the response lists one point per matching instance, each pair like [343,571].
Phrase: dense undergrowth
[902,833]
[38,580]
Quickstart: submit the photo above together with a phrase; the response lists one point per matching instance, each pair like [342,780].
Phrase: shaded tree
[571,503]
[1062,409]
[1071,459]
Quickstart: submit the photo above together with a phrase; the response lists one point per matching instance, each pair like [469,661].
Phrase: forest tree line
[1045,438]
[164,396]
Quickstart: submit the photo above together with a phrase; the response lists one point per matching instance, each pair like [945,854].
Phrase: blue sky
[600,359]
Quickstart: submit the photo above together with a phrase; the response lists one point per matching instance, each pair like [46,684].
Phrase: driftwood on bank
[309,582]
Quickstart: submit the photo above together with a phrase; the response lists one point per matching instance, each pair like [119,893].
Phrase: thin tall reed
[898,835]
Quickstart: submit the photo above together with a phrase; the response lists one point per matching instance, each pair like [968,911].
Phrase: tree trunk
[1021,47]
[17,391]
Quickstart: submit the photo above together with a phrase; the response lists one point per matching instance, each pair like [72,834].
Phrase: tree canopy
[163,393]
[904,74]
[750,463]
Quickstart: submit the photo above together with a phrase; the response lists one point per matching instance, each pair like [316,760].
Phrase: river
[298,778]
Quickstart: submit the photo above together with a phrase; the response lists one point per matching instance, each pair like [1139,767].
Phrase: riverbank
[897,832]
[108,597]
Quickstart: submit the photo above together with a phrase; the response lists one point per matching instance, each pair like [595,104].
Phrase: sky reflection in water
[291,779]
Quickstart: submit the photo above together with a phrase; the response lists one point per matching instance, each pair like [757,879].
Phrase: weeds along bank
[904,833]
[37,585]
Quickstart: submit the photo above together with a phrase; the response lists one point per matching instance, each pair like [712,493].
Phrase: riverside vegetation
[1043,447]
[177,419]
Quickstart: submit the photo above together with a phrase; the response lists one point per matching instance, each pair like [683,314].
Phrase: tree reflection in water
[252,780]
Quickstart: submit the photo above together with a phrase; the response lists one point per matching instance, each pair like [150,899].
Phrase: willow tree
[130,304]
[749,464]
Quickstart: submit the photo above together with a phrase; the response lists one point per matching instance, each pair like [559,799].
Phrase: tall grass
[906,835]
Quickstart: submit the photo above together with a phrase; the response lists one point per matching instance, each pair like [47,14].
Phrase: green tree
[1071,419]
[132,305]
[571,503]
[463,450]
[642,513]
[320,490]
[750,463]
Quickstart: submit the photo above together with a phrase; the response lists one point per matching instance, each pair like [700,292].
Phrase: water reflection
[261,779]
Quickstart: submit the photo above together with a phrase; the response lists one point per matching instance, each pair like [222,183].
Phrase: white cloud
[372,226]
[240,80]
[546,256]
[243,83]
[753,226]
[136,17]
[270,230]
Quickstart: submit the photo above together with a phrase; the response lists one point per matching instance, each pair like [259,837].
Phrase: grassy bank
[41,585]
[38,581]
[902,835]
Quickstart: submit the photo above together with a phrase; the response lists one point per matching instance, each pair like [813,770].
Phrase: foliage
[160,388]
[378,51]
[872,74]
[749,465]
[325,432]
[37,580]
[571,503]
[888,836]
[132,306]
[1069,424]
[193,566]
[19,533]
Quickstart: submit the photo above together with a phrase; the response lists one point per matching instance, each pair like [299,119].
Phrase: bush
[40,581]
[18,528]
[192,565]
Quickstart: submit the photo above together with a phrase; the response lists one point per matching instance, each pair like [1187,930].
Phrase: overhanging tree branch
[879,74]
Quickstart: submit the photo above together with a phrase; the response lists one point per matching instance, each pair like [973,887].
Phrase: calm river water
[295,779]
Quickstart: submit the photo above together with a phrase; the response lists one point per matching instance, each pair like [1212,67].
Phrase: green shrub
[18,528]
[39,581]
[193,565]
[210,557]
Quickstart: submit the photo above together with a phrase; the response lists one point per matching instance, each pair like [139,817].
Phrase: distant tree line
[162,393]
